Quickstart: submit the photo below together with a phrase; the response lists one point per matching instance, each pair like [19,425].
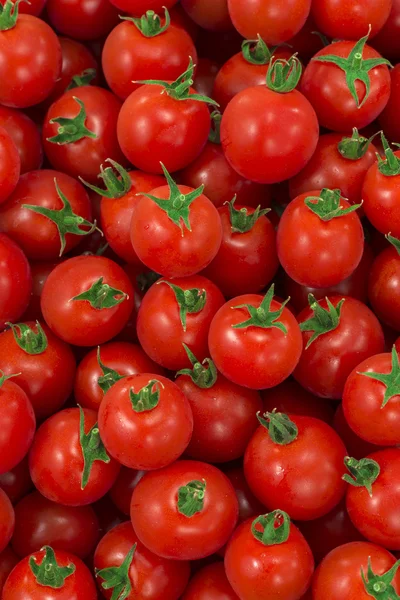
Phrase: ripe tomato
[269,558]
[120,558]
[25,136]
[338,333]
[68,461]
[87,300]
[40,522]
[255,341]
[10,165]
[7,520]
[192,507]
[8,560]
[350,19]
[57,574]
[82,19]
[121,491]
[210,582]
[16,281]
[17,482]
[290,398]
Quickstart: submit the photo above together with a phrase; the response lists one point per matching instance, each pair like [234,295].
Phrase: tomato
[269,558]
[17,482]
[350,571]
[211,15]
[25,136]
[350,19]
[347,101]
[8,560]
[338,333]
[10,165]
[40,522]
[255,341]
[46,214]
[356,447]
[275,21]
[144,49]
[175,242]
[87,300]
[137,8]
[68,461]
[145,421]
[57,574]
[192,507]
[387,40]
[34,7]
[7,520]
[277,140]
[40,272]
[16,281]
[210,583]
[80,145]
[82,19]
[121,491]
[206,72]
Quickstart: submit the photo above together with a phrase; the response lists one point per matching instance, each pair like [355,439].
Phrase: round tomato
[82,19]
[7,520]
[210,582]
[350,19]
[10,165]
[290,398]
[25,136]
[16,281]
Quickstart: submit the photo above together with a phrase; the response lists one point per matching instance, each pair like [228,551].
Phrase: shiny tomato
[82,19]
[10,165]
[16,278]
[209,583]
[350,19]
[25,136]
[7,520]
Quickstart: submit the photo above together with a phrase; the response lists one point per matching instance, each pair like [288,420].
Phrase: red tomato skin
[7,520]
[210,583]
[245,356]
[304,241]
[277,572]
[356,447]
[387,41]
[129,56]
[17,482]
[224,419]
[159,243]
[306,492]
[275,21]
[40,522]
[154,127]
[8,560]
[324,84]
[25,135]
[34,7]
[286,136]
[349,19]
[85,20]
[16,278]
[21,583]
[152,577]
[381,193]
[211,15]
[56,461]
[121,491]
[326,378]
[137,8]
[173,536]
[10,165]
[339,573]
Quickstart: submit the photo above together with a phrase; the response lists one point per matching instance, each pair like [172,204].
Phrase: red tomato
[68,461]
[17,482]
[82,19]
[306,42]
[206,71]
[255,341]
[269,558]
[16,281]
[10,165]
[249,505]
[137,8]
[121,491]
[211,15]
[192,507]
[210,583]
[350,19]
[356,447]
[8,560]
[87,300]
[25,136]
[7,520]
[387,41]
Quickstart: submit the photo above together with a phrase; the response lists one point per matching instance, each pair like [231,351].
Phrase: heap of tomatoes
[199,299]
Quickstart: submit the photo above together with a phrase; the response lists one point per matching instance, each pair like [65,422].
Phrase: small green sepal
[262,316]
[390,380]
[72,129]
[327,205]
[100,295]
[116,186]
[215,130]
[323,320]
[31,342]
[147,397]
[241,220]
[4,377]
[204,374]
[284,75]
[256,52]
[380,586]
[84,78]
[394,241]
[92,448]
[49,573]
[149,24]
[109,377]
[280,428]
[117,578]
[356,146]
[9,14]
[390,165]
[363,472]
[191,498]
[275,528]
[190,301]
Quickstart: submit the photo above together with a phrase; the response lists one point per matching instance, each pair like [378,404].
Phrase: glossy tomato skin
[22,585]
[277,572]
[284,134]
[380,193]
[25,136]
[78,322]
[121,491]
[305,244]
[57,447]
[40,522]
[325,86]
[17,482]
[159,243]
[339,574]
[85,20]
[8,560]
[349,19]
[356,447]
[151,438]
[383,287]
[174,535]
[152,577]
[30,59]
[210,583]
[387,40]
[137,8]
[153,127]
[159,326]
[84,157]
[253,357]
[16,278]
[224,419]
[10,165]
[326,377]
[7,520]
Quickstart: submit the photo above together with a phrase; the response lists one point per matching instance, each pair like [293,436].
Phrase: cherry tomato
[350,19]
[10,165]
[8,560]
[25,136]
[7,520]
[17,482]
[121,491]
[82,20]
[16,281]
[210,583]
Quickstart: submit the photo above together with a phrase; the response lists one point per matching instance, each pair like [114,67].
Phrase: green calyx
[49,573]
[380,586]
[180,88]
[323,320]
[204,374]
[30,341]
[280,428]
[355,67]
[147,397]
[190,301]
[64,218]
[109,377]
[117,578]
[92,448]
[72,129]
[84,78]
[215,134]
[327,205]
[177,206]
[390,165]
[390,380]
[241,220]
[9,14]
[256,52]
[4,377]
[363,472]
[354,147]
[191,498]
[284,75]
[149,24]
[263,316]
[272,528]
[116,184]
[394,241]
[100,295]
